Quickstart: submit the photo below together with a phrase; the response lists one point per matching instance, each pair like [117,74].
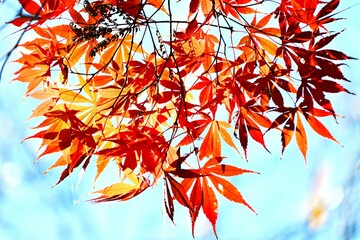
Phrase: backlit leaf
[153,89]
[228,190]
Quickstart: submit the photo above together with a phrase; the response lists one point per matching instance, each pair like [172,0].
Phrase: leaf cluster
[166,99]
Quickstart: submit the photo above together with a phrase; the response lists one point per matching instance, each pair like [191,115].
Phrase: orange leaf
[158,4]
[33,76]
[287,133]
[210,204]
[46,93]
[42,108]
[196,198]
[262,23]
[301,137]
[229,191]
[269,46]
[226,170]
[211,145]
[101,163]
[76,53]
[225,135]
[319,127]
[59,163]
[50,148]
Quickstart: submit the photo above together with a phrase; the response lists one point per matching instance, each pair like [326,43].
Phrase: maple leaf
[210,204]
[249,122]
[304,11]
[123,191]
[211,144]
[48,9]
[228,190]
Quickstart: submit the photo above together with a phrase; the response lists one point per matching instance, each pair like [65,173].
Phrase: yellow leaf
[45,93]
[122,187]
[74,56]
[269,46]
[225,135]
[71,96]
[110,92]
[101,163]
[117,189]
[132,176]
[86,87]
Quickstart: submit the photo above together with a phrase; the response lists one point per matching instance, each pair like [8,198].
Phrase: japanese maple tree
[162,89]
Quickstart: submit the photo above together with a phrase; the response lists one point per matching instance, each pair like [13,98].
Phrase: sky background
[283,194]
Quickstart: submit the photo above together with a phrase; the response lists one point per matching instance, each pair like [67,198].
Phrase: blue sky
[282,194]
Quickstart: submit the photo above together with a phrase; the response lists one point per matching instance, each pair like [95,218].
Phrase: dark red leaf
[328,8]
[193,7]
[168,201]
[179,192]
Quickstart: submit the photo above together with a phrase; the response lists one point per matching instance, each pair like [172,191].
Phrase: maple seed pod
[93,52]
[90,9]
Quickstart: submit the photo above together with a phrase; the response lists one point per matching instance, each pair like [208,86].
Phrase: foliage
[159,95]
